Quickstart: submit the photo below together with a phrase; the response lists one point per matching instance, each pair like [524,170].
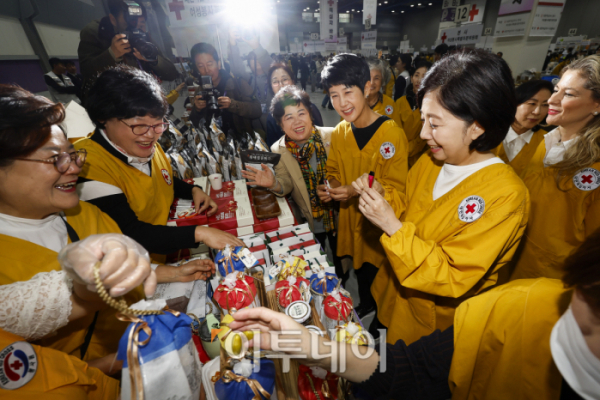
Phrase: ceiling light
[419,4]
[412,5]
[393,11]
[430,4]
[347,11]
[379,3]
[402,12]
[353,9]
[385,2]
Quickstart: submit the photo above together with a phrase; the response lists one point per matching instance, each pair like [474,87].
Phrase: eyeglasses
[62,161]
[284,82]
[140,130]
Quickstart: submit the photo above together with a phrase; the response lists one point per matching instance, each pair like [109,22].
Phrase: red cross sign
[587,179]
[387,150]
[444,37]
[177,7]
[16,365]
[471,208]
[474,11]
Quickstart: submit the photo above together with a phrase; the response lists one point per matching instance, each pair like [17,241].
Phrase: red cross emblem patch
[471,208]
[167,177]
[389,110]
[387,150]
[587,179]
[19,364]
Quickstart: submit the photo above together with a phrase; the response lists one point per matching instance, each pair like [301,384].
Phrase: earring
[595,113]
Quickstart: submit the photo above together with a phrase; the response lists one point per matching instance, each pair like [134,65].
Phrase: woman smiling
[563,176]
[304,150]
[525,134]
[448,237]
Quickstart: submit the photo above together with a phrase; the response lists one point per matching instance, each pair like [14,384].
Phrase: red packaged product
[337,307]
[315,379]
[237,291]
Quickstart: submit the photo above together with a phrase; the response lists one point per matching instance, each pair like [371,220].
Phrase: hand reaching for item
[216,239]
[124,263]
[190,271]
[203,202]
[342,193]
[261,177]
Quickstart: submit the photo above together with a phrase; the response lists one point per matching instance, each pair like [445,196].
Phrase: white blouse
[451,175]
[513,142]
[555,148]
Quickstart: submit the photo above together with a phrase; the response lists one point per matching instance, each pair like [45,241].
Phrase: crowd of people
[468,208]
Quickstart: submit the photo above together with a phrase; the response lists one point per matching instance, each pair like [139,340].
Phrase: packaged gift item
[241,382]
[290,290]
[337,310]
[255,158]
[228,260]
[237,291]
[300,312]
[323,283]
[290,266]
[315,383]
[160,360]
[352,333]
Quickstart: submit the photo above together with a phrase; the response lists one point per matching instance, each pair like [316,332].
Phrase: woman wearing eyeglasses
[40,213]
[128,176]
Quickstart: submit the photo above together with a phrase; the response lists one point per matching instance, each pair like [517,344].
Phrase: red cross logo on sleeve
[444,37]
[587,179]
[177,7]
[474,11]
[387,150]
[471,208]
[16,365]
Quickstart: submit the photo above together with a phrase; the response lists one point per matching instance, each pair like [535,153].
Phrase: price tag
[247,258]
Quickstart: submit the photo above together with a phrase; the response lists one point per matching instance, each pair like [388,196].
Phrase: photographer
[120,38]
[236,105]
[259,62]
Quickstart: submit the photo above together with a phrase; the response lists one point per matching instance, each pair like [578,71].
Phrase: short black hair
[55,61]
[530,88]
[69,62]
[394,59]
[203,48]
[424,64]
[346,69]
[124,92]
[441,49]
[501,53]
[475,86]
[287,96]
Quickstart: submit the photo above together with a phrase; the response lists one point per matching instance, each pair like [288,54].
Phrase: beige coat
[288,173]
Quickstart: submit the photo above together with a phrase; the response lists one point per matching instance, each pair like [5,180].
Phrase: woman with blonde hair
[563,176]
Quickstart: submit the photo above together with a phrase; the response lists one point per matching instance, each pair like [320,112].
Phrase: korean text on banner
[512,6]
[369,40]
[469,34]
[450,3]
[512,25]
[370,11]
[546,18]
[329,20]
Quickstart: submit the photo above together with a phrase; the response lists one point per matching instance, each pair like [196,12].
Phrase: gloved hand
[125,264]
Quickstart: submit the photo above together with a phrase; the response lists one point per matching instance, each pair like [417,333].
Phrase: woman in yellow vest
[410,115]
[128,176]
[40,213]
[464,210]
[563,176]
[381,103]
[525,133]
[528,339]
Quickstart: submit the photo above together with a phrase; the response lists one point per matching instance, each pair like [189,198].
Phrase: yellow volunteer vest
[150,197]
[58,376]
[524,157]
[411,124]
[389,87]
[385,155]
[502,342]
[449,249]
[27,259]
[560,219]
[387,107]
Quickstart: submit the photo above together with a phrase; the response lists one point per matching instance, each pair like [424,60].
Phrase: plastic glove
[125,264]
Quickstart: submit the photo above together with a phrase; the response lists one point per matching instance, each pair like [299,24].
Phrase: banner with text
[329,20]
[368,40]
[546,18]
[370,11]
[512,25]
[461,35]
[475,11]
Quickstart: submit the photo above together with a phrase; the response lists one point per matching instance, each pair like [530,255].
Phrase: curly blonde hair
[586,150]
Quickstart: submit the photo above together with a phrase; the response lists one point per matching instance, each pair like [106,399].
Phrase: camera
[136,37]
[208,93]
[139,40]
